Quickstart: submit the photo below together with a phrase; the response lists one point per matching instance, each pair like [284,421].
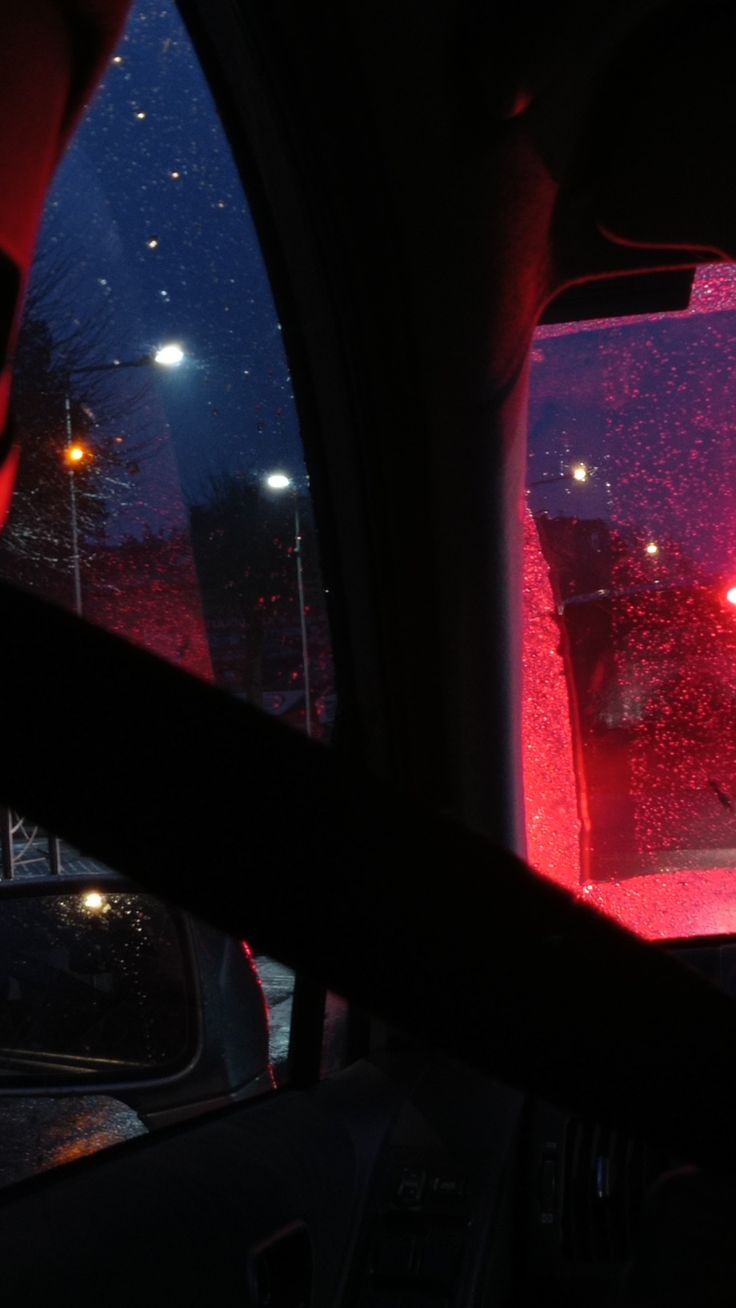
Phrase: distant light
[152,243]
[94,901]
[140,114]
[652,548]
[731,595]
[580,472]
[174,175]
[75,453]
[117,59]
[170,356]
[278,481]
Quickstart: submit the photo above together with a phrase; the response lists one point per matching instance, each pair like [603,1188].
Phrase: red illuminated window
[630,614]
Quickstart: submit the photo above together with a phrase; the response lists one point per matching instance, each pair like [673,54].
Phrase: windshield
[630,612]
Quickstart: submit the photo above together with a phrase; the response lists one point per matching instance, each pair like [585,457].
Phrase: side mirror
[104,988]
[96,987]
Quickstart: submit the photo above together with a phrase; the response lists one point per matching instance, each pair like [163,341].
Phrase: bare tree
[115,419]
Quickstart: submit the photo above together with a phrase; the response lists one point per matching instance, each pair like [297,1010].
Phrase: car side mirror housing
[105,989]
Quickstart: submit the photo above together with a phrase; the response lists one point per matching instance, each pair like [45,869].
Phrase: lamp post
[579,472]
[75,454]
[278,481]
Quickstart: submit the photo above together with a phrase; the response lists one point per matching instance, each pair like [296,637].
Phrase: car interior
[533,1103]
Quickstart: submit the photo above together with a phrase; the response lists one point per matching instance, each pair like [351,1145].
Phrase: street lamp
[579,472]
[75,454]
[278,481]
[169,356]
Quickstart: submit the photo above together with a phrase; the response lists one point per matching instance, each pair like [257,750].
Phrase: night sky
[148,211]
[647,405]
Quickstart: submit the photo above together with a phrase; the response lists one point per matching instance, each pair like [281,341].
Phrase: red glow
[668,905]
[552,818]
[8,472]
[147,590]
[635,593]
[250,956]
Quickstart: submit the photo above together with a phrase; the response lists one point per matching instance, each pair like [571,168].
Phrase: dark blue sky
[649,406]
[149,222]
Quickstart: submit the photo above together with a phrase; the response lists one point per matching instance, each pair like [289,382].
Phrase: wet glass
[163,492]
[94,988]
[630,612]
[154,405]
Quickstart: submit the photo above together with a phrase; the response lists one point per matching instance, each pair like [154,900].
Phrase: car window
[630,612]
[162,491]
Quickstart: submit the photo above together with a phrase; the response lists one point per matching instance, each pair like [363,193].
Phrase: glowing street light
[731,595]
[278,481]
[652,549]
[579,472]
[170,355]
[74,457]
[75,454]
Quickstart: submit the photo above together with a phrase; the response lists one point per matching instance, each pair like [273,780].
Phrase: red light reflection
[668,905]
[629,588]
[250,956]
[552,819]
